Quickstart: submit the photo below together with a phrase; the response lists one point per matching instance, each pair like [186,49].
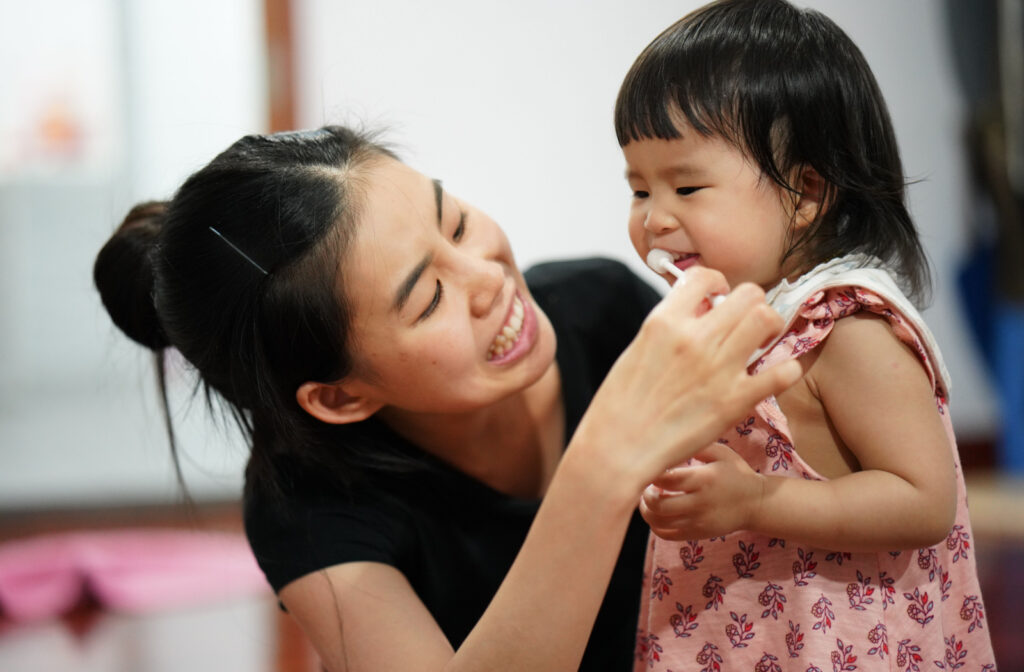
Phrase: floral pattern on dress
[750,602]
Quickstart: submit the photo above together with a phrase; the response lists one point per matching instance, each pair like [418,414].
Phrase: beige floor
[996,505]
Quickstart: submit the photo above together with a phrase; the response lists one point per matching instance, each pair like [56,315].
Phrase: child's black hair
[790,89]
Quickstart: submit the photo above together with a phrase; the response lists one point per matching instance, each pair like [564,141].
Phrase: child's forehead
[690,154]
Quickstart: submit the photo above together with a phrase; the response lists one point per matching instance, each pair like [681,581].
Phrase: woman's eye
[460,230]
[686,191]
[438,292]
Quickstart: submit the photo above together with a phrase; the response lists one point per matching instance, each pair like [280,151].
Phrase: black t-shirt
[453,537]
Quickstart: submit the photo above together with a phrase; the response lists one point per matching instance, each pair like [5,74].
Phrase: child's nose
[659,220]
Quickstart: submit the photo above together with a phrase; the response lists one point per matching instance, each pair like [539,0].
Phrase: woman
[425,490]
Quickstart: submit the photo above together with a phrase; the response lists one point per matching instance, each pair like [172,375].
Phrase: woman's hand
[718,495]
[683,380]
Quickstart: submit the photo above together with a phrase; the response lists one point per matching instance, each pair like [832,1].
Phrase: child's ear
[811,203]
[338,403]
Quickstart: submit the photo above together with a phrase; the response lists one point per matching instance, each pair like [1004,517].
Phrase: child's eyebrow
[678,170]
[682,169]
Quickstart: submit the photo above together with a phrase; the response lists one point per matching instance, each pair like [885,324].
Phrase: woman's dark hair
[790,89]
[240,272]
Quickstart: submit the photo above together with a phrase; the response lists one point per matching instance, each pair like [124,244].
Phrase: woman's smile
[517,335]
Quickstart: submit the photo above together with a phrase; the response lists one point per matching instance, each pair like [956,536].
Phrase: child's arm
[880,403]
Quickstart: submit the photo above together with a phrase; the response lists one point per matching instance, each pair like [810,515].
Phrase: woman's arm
[679,384]
[879,400]
[363,616]
[366,616]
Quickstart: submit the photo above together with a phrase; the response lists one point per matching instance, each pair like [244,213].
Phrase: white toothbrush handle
[680,274]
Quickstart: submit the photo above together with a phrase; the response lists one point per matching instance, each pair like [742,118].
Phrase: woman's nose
[486,280]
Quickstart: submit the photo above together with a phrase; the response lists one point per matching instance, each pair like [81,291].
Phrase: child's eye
[640,194]
[460,230]
[438,293]
[686,191]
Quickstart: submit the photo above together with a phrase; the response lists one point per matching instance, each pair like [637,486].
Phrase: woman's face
[442,319]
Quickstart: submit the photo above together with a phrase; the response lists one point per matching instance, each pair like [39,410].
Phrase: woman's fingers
[684,378]
[776,378]
[751,320]
[714,348]
[700,283]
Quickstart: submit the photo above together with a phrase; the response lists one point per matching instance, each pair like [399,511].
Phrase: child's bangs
[656,99]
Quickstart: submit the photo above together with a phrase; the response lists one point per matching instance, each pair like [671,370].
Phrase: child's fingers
[672,532]
[664,505]
[664,510]
[671,494]
[672,480]
[716,452]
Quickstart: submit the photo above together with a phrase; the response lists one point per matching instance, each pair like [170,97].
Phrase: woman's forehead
[396,191]
[399,217]
[398,199]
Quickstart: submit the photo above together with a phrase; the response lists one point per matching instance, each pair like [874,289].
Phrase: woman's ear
[812,203]
[336,403]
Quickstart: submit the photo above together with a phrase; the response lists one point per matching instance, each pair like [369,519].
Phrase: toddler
[828,530]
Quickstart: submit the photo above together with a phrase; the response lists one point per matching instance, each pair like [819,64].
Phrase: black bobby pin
[243,254]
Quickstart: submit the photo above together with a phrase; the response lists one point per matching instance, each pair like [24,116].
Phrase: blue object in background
[1008,355]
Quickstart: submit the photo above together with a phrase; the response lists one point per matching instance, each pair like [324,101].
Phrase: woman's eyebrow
[402,296]
[405,290]
[438,197]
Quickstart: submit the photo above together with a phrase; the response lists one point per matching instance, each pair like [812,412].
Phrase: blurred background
[104,103]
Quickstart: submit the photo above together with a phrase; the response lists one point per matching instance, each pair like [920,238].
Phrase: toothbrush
[661,262]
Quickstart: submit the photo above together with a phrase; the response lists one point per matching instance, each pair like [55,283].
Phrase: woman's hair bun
[123,274]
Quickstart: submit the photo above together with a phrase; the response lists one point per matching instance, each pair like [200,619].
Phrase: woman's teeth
[509,334]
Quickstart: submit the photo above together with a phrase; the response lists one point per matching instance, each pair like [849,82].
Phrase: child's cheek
[636,234]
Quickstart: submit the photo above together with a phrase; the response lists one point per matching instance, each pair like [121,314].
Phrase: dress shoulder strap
[855,270]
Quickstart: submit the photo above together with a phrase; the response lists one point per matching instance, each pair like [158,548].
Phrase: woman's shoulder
[581,273]
[579,289]
[312,523]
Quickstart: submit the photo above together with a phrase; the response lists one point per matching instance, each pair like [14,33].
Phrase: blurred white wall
[104,103]
[509,103]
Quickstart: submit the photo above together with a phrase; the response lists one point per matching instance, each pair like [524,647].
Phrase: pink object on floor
[135,570]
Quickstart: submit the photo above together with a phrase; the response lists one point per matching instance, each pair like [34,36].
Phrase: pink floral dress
[750,602]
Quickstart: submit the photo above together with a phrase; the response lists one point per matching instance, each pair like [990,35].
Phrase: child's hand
[703,500]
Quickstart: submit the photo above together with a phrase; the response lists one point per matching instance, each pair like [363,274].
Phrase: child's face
[704,201]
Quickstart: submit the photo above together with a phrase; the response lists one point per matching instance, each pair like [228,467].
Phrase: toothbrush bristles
[661,261]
